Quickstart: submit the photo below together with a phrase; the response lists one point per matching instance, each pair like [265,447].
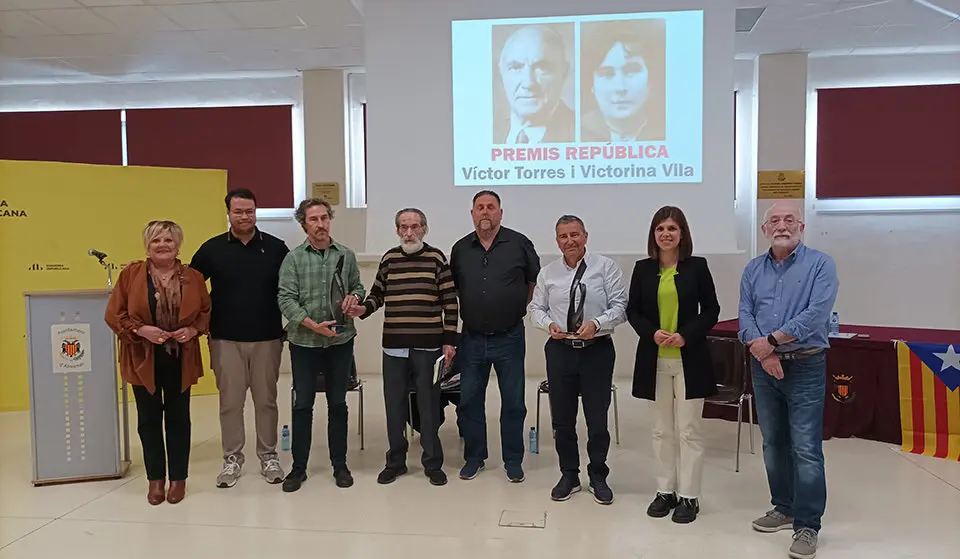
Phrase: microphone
[97,254]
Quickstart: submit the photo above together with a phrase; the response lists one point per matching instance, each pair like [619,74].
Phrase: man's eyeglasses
[789,221]
[410,228]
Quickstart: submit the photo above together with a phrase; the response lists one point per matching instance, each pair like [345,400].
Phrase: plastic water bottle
[534,443]
[835,323]
[285,439]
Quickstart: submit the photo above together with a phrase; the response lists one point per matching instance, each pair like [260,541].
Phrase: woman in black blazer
[672,306]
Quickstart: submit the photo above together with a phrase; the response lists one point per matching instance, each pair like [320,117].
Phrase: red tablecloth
[863,393]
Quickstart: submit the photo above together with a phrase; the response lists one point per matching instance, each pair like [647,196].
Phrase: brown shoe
[155,493]
[178,490]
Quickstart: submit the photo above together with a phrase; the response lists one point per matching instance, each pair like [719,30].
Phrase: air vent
[747,18]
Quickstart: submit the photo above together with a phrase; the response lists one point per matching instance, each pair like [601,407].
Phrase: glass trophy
[575,312]
[338,292]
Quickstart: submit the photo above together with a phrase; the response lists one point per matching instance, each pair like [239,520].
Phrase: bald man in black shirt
[495,270]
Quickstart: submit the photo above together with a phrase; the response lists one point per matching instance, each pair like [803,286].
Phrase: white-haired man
[786,298]
[415,287]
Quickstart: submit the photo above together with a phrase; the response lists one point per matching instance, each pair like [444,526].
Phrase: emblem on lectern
[72,350]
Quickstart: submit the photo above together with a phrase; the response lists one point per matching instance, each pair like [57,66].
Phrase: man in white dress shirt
[579,299]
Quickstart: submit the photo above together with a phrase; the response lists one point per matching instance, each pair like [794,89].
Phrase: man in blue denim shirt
[786,297]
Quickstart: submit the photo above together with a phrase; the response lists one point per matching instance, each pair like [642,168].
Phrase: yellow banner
[52,214]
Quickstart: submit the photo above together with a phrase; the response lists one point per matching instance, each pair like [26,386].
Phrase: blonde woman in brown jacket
[159,308]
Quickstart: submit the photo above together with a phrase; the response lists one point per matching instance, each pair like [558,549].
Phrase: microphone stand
[106,266]
[125,403]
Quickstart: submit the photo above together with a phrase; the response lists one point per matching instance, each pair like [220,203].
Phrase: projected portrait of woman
[622,81]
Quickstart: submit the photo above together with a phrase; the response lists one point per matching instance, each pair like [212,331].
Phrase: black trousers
[167,408]
[399,375]
[335,362]
[572,373]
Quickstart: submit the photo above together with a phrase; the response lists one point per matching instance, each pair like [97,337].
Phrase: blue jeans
[506,352]
[790,412]
[336,364]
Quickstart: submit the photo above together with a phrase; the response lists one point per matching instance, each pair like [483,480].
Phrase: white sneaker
[271,470]
[230,473]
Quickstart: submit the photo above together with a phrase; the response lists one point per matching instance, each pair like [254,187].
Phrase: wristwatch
[773,340]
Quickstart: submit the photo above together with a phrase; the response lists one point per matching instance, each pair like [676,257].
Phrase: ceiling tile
[893,36]
[872,13]
[916,13]
[792,12]
[22,24]
[187,63]
[173,2]
[48,46]
[104,3]
[225,40]
[104,66]
[42,4]
[256,60]
[137,18]
[950,32]
[35,68]
[339,12]
[121,65]
[200,16]
[274,13]
[172,42]
[826,38]
[79,21]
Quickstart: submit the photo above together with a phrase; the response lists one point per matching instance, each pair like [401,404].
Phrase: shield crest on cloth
[843,392]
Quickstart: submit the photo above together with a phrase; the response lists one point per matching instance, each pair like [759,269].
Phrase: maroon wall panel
[254,145]
[66,136]
[888,141]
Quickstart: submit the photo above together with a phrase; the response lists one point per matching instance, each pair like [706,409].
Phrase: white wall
[896,269]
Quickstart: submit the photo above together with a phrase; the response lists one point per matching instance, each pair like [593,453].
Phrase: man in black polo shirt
[495,270]
[246,332]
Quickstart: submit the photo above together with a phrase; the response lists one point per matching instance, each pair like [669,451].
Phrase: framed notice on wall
[780,185]
[329,191]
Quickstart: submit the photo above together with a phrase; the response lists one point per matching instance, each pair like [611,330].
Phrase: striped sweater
[419,297]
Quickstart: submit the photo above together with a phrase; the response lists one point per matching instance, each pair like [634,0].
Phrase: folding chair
[544,388]
[731,363]
[354,384]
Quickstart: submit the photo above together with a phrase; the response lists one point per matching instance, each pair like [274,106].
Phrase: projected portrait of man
[532,69]
[622,79]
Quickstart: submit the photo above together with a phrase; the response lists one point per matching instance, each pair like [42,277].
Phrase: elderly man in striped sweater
[415,285]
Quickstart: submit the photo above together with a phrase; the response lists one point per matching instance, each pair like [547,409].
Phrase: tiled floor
[882,504]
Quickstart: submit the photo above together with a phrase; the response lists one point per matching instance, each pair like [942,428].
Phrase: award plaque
[575,311]
[338,292]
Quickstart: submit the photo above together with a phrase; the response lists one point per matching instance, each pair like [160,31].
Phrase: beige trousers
[240,366]
[677,433]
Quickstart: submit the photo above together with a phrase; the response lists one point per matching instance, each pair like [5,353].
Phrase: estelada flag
[930,399]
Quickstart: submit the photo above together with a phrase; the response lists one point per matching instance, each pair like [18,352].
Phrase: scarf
[168,304]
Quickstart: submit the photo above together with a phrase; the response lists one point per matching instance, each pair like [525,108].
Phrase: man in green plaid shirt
[319,342]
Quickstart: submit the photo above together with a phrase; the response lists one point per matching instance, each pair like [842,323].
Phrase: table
[863,393]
